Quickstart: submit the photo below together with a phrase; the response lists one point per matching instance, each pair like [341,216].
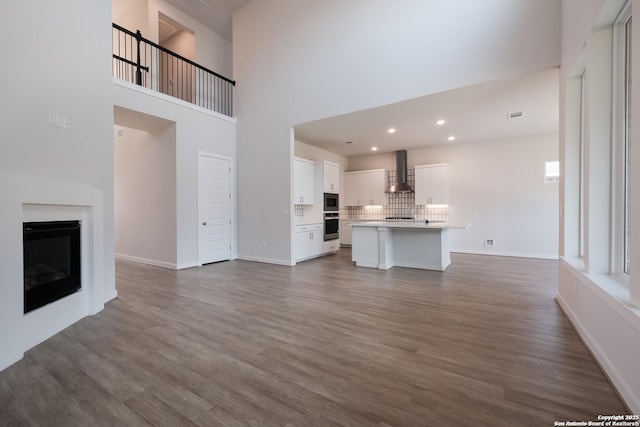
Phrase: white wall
[598,305]
[145,194]
[498,186]
[301,61]
[42,163]
[132,15]
[183,43]
[310,152]
[196,129]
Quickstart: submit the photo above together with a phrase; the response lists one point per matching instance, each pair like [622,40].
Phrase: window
[627,145]
[622,139]
[582,166]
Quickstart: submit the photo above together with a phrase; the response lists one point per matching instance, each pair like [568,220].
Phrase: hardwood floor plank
[322,343]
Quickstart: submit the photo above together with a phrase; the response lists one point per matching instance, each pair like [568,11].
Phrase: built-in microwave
[331,203]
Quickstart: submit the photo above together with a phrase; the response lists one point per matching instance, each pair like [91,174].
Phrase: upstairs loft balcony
[145,63]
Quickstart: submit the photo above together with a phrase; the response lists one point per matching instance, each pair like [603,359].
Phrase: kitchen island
[384,244]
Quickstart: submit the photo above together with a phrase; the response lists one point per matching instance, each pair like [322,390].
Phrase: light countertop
[410,224]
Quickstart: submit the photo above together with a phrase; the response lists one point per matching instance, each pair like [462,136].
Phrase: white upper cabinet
[352,189]
[432,184]
[303,181]
[331,177]
[365,188]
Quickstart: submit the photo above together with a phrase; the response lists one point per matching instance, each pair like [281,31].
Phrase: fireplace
[51,262]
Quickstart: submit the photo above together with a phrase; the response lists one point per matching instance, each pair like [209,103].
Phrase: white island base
[383,245]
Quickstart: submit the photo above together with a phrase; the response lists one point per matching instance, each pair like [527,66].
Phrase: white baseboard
[287,262]
[110,296]
[618,380]
[147,261]
[187,265]
[507,254]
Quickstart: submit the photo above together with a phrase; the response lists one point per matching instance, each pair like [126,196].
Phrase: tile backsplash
[298,214]
[432,213]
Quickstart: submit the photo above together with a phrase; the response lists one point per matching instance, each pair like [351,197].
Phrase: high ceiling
[473,114]
[215,14]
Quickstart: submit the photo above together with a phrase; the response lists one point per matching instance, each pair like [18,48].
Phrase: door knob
[204,223]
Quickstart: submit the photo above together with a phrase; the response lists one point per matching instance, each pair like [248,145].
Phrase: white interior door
[214,208]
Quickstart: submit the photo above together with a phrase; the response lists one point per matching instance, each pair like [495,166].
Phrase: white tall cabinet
[311,180]
[432,184]
[365,188]
[303,181]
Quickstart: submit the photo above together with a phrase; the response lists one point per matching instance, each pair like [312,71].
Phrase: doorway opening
[145,188]
[176,77]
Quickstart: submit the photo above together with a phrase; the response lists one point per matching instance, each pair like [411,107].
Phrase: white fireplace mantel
[24,199]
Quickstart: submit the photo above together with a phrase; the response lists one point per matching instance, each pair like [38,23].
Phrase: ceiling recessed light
[452,138]
[349,142]
[441,122]
[374,148]
[392,130]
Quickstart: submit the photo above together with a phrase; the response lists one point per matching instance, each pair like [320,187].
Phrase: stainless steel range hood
[400,186]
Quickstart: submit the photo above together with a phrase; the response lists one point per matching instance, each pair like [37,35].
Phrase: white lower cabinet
[331,246]
[309,241]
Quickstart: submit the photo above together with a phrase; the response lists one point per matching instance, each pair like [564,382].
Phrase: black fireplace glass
[51,262]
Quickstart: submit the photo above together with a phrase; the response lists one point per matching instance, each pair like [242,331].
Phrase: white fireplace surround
[31,199]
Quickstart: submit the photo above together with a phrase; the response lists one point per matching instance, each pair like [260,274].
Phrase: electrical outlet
[489,243]
[263,244]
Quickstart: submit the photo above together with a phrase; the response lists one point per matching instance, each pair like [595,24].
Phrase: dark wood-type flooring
[323,343]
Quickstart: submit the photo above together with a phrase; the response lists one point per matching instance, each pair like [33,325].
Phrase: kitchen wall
[145,193]
[301,61]
[498,186]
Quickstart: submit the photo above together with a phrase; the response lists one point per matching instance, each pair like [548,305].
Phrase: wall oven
[331,202]
[331,226]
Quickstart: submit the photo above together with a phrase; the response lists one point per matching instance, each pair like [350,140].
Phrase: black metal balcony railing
[145,63]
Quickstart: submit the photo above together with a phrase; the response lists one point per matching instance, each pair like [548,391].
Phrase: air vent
[515,115]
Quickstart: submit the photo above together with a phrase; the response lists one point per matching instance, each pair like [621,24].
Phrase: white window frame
[582,165]
[619,137]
